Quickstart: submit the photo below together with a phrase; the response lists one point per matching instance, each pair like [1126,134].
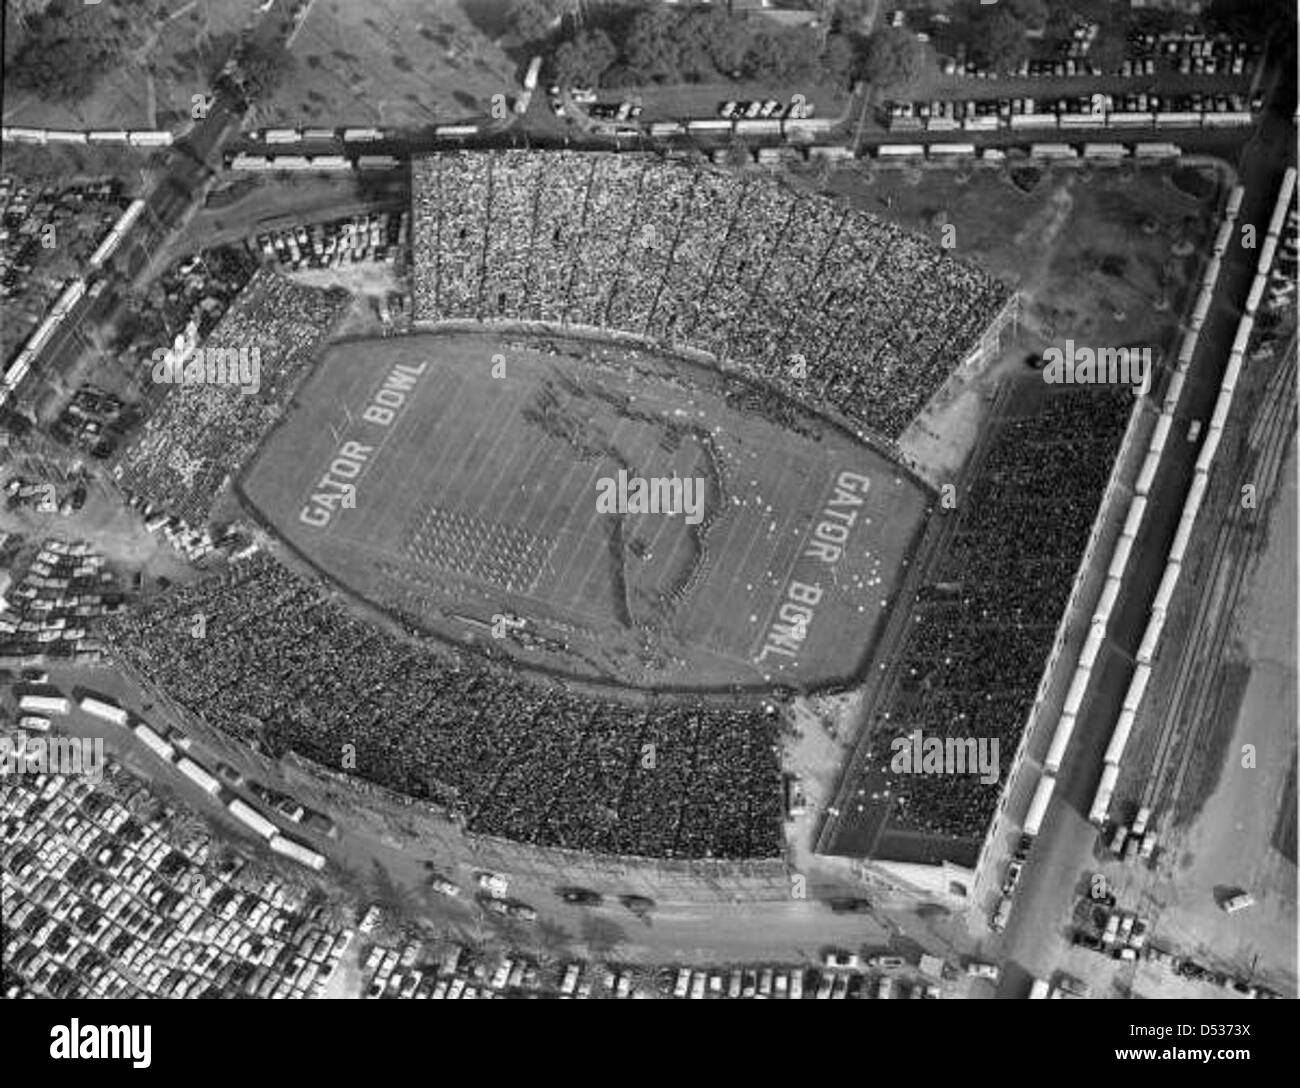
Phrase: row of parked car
[796,110]
[780,984]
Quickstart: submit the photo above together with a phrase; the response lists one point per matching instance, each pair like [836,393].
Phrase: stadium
[443,592]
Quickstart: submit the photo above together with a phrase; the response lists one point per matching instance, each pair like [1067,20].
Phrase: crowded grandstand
[843,309]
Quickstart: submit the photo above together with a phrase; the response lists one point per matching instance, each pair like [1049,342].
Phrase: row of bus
[22,365]
[1109,119]
[133,138]
[245,813]
[1047,151]
[312,162]
[1200,480]
[352,135]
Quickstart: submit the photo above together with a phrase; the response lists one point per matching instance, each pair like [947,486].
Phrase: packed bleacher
[738,265]
[984,625]
[284,666]
[201,433]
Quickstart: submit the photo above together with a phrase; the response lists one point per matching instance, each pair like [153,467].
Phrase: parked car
[495,884]
[584,897]
[988,971]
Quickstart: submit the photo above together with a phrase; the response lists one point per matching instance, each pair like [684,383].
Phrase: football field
[589,509]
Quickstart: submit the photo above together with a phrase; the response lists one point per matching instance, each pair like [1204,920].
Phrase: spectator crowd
[982,630]
[834,306]
[283,666]
[201,433]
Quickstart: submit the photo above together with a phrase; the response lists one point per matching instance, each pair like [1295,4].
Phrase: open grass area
[477,499]
[391,62]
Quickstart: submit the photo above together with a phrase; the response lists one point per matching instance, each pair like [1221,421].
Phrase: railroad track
[1223,573]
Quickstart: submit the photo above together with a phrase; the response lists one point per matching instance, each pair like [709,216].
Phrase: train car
[1105,151]
[303,855]
[1137,509]
[108,136]
[900,151]
[1106,602]
[149,138]
[1210,447]
[154,742]
[709,127]
[65,136]
[951,151]
[1178,119]
[329,162]
[1150,639]
[988,123]
[1092,645]
[291,162]
[1052,151]
[1228,119]
[1101,800]
[1287,188]
[1266,254]
[1174,393]
[319,134]
[104,710]
[1137,687]
[1202,308]
[1224,238]
[1147,474]
[362,135]
[26,135]
[1160,435]
[825,152]
[667,128]
[1156,151]
[1235,198]
[942,124]
[1083,120]
[1133,119]
[378,162]
[1038,805]
[1232,372]
[1168,583]
[1119,738]
[759,127]
[251,818]
[1033,120]
[1119,557]
[1077,690]
[198,775]
[456,130]
[1060,742]
[280,136]
[1245,327]
[1211,275]
[251,162]
[72,294]
[1187,349]
[1178,549]
[37,341]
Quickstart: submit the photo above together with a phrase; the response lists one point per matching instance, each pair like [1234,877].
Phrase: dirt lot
[392,62]
[1103,255]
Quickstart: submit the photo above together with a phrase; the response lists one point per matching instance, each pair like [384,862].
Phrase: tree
[584,59]
[263,66]
[999,41]
[533,20]
[837,59]
[651,46]
[894,58]
[68,47]
[1032,13]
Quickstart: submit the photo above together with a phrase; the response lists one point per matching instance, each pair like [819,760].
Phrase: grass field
[392,62]
[477,499]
